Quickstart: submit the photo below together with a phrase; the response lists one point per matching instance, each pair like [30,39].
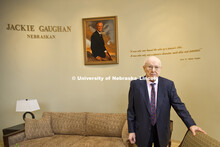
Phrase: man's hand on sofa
[131,138]
[195,128]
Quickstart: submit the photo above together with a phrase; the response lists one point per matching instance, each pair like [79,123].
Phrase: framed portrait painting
[100,40]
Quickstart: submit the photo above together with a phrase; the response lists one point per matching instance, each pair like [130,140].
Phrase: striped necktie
[153,105]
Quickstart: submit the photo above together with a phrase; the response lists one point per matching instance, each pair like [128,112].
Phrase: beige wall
[42,69]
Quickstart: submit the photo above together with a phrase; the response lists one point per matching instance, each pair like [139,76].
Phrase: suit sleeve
[180,107]
[131,110]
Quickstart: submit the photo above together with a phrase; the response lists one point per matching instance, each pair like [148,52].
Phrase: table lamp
[27,106]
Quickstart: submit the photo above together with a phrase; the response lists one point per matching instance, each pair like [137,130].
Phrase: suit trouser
[153,137]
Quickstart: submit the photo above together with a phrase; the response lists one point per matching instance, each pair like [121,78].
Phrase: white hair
[152,58]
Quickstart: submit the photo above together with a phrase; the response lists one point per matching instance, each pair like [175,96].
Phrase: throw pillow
[38,128]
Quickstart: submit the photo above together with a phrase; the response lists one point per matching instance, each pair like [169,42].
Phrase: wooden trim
[5,137]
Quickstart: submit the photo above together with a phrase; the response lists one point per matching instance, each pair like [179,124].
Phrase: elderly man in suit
[97,44]
[148,113]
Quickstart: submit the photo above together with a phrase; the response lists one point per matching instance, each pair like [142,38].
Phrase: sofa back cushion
[200,140]
[67,122]
[105,124]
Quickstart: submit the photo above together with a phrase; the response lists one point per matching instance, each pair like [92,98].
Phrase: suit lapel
[146,95]
[160,95]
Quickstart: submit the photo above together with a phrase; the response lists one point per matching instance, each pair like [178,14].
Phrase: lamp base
[24,115]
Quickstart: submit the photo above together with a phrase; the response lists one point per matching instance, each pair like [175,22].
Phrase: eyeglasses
[151,67]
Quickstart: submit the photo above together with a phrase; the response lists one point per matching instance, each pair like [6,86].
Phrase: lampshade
[27,105]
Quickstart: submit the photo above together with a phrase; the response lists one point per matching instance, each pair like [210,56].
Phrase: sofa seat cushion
[96,141]
[105,124]
[54,141]
[67,123]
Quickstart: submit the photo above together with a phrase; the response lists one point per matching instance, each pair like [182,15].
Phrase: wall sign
[41,29]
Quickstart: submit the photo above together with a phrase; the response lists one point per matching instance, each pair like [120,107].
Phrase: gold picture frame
[104,50]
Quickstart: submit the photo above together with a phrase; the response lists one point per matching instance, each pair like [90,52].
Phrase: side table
[7,132]
[12,129]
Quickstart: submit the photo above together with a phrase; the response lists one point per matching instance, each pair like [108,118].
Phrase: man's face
[152,68]
[99,27]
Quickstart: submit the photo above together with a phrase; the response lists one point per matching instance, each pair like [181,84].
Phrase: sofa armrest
[124,133]
[13,138]
[125,136]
